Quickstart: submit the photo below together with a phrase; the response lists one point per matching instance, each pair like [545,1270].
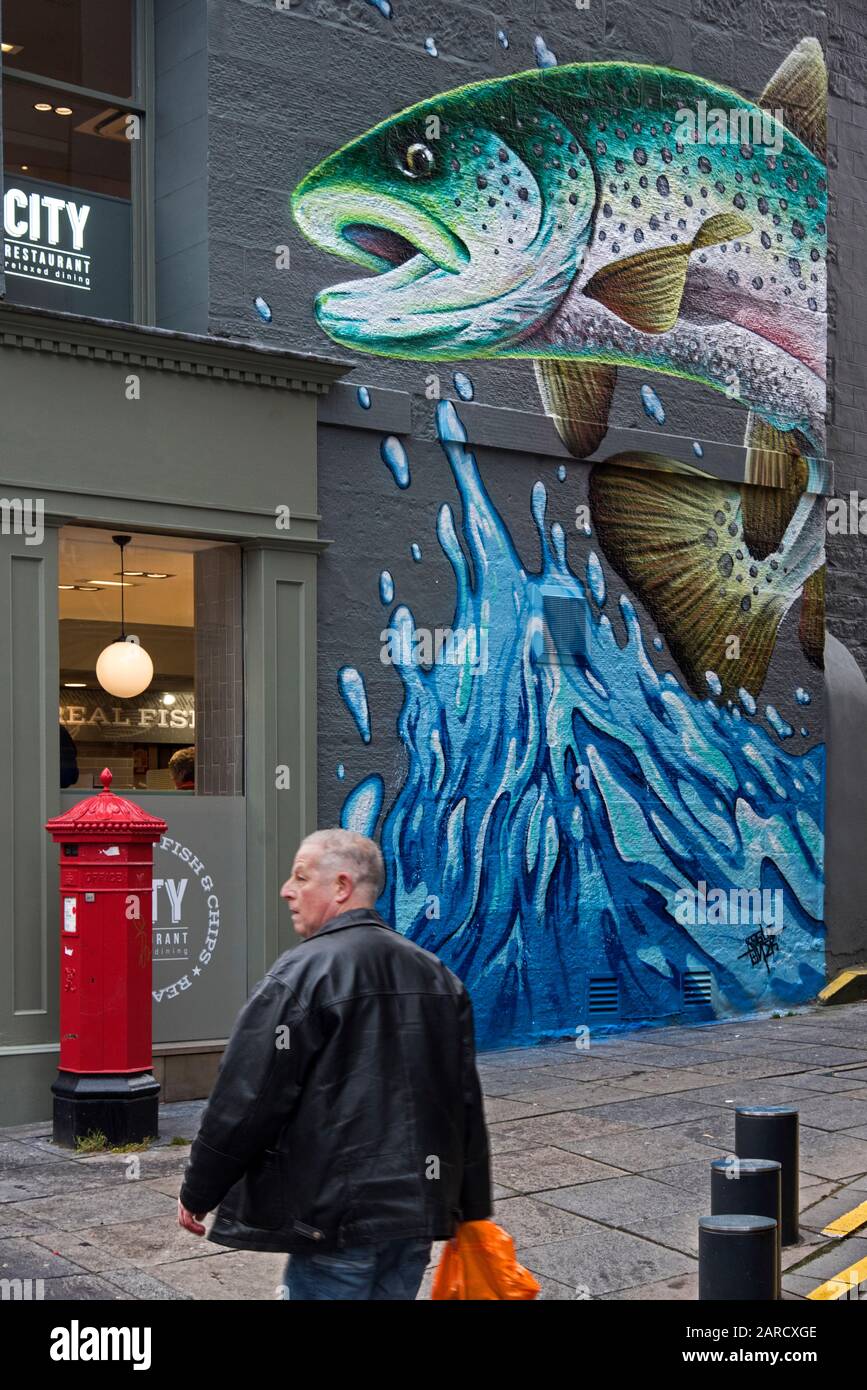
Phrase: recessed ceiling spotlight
[42,106]
[169,699]
[66,586]
[154,574]
[11,47]
[63,110]
[75,685]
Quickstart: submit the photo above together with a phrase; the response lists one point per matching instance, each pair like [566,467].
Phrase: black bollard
[737,1259]
[747,1187]
[771,1131]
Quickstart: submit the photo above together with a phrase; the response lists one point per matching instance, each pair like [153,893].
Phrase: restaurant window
[74,150]
[182,607]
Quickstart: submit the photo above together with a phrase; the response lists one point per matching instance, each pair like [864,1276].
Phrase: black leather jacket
[347,1108]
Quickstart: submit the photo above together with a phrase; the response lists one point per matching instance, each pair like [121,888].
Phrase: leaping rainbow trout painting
[559,217]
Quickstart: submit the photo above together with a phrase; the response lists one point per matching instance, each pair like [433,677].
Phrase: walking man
[345,1126]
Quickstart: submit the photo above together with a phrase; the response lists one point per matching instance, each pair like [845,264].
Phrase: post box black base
[123,1108]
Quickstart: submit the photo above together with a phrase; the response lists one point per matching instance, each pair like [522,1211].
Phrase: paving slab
[140,1285]
[639,1205]
[637,1151]
[600,1261]
[21,1258]
[652,1112]
[150,1242]
[832,1260]
[232,1274]
[836,1113]
[497,1108]
[530,1220]
[833,1155]
[682,1288]
[820,1214]
[547,1167]
[80,1287]
[565,1131]
[103,1206]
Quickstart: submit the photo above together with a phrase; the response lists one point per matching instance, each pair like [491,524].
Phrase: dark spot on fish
[792,183]
[481,181]
[747,151]
[504,178]
[492,202]
[811,201]
[771,161]
[537,149]
[606,209]
[757,282]
[638,154]
[739,178]
[739,554]
[601,236]
[642,182]
[636,201]
[732,529]
[523,194]
[794,266]
[601,147]
[503,156]
[725,564]
[612,188]
[814,255]
[775,564]
[784,204]
[798,230]
[719,518]
[739,201]
[704,164]
[477,149]
[711,537]
[681,222]
[666,125]
[763,206]
[572,146]
[811,304]
[663,186]
[654,223]
[457,202]
[621,134]
[615,246]
[456,166]
[558,138]
[733,277]
[688,200]
[666,154]
[573,173]
[720,186]
[638,234]
[619,166]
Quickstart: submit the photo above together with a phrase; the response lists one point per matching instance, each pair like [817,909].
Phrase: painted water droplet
[697,449]
[341,772]
[386,587]
[464,387]
[361,808]
[595,578]
[659,644]
[263,309]
[653,406]
[502,38]
[384,7]
[805,733]
[431,48]
[544,57]
[714,682]
[351,686]
[415,552]
[561,472]
[363,396]
[803,697]
[747,701]
[777,723]
[394,456]
[449,425]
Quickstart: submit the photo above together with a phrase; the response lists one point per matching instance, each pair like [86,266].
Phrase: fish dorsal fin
[799,88]
[646,290]
[811,627]
[776,470]
[577,396]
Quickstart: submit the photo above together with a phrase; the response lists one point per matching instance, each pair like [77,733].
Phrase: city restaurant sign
[45,238]
[94,715]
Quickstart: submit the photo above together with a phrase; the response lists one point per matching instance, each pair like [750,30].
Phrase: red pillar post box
[105,1081]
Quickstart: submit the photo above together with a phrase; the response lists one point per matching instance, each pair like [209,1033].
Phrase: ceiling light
[87,588]
[11,47]
[75,685]
[153,574]
[42,106]
[111,583]
[63,110]
[24,168]
[66,586]
[169,699]
[132,574]
[124,668]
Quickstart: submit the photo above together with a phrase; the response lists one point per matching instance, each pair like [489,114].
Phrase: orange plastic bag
[479,1263]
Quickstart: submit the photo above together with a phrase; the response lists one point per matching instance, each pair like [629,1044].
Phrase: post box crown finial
[105,778]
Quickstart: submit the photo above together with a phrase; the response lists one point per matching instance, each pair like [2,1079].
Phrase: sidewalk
[601,1160]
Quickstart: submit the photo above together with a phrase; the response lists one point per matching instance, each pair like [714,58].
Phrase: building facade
[460,376]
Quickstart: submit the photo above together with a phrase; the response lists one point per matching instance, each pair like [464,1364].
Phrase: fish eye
[419,161]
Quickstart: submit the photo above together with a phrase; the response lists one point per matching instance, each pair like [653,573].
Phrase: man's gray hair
[359,856]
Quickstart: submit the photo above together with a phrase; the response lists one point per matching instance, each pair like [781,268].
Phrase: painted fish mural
[558,217]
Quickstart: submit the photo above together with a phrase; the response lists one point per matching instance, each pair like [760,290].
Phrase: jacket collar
[358,917]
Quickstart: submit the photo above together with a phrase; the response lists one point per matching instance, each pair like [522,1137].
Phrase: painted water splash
[386,587]
[263,309]
[595,578]
[659,644]
[394,456]
[415,552]
[561,472]
[714,682]
[777,723]
[544,57]
[802,696]
[653,406]
[697,449]
[341,772]
[363,397]
[502,38]
[431,48]
[464,387]
[747,701]
[383,6]
[351,684]
[554,806]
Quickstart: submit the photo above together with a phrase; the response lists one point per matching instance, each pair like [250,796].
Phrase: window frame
[141,104]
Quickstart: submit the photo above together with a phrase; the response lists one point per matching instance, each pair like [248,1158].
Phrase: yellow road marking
[848,1222]
[842,1283]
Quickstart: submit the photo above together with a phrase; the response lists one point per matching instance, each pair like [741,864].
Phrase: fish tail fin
[577,396]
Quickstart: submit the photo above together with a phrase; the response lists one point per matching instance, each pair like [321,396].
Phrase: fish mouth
[377,230]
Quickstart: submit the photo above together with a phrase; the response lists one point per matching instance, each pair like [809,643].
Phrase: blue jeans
[391,1271]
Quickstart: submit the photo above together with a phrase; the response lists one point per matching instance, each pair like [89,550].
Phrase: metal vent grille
[565,619]
[697,988]
[603,995]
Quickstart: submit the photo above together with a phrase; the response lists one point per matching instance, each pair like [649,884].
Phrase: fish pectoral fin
[646,290]
[811,628]
[670,539]
[577,396]
[799,88]
[776,473]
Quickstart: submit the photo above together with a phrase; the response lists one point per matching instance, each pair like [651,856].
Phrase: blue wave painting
[561,792]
